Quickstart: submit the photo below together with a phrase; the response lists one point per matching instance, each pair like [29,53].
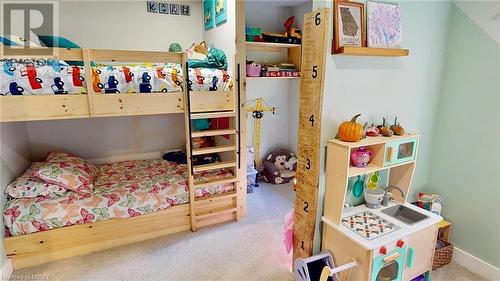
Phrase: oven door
[389,267]
[401,151]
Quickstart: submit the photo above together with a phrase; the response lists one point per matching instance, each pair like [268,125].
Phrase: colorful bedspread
[57,77]
[121,190]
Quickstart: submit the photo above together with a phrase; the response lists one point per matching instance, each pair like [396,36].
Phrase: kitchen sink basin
[404,214]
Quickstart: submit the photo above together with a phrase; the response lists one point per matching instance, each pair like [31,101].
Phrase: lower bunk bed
[131,201]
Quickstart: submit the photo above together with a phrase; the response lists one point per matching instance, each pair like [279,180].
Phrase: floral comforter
[121,190]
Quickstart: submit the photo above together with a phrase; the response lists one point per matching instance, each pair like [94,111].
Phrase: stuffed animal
[279,166]
[291,163]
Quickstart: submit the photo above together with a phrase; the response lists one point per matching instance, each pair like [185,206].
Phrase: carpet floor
[251,249]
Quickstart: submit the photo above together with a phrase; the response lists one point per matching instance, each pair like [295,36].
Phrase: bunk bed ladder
[208,210]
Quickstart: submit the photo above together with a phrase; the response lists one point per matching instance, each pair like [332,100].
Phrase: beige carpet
[249,250]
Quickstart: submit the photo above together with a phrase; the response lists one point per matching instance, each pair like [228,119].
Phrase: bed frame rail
[54,107]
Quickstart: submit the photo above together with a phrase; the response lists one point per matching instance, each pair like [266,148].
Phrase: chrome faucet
[387,195]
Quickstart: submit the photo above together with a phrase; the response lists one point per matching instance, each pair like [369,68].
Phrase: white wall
[407,87]
[118,25]
[14,160]
[224,35]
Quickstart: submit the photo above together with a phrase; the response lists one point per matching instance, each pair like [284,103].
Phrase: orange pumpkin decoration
[350,130]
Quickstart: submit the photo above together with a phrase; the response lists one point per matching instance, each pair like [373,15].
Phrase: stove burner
[368,225]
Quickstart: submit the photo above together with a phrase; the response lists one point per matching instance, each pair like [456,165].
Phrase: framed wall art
[349,24]
[384,25]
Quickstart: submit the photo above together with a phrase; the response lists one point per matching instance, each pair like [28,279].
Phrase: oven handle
[411,257]
[392,258]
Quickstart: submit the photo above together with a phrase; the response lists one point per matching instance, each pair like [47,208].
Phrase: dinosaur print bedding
[42,77]
[121,190]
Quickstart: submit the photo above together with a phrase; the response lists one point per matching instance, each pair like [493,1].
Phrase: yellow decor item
[350,130]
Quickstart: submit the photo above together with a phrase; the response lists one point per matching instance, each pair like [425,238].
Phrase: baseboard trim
[6,270]
[475,264]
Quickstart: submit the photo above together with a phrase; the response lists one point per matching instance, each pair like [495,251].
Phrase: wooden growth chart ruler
[314,49]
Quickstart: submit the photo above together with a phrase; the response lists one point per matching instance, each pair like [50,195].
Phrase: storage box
[442,256]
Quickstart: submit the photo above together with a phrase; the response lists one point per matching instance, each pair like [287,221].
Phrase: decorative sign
[152,6]
[185,10]
[208,14]
[220,12]
[314,45]
[165,8]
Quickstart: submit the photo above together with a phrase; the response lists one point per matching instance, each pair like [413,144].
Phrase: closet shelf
[375,52]
[270,78]
[265,46]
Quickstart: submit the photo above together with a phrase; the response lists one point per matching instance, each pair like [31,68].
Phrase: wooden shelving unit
[294,52]
[375,52]
[265,46]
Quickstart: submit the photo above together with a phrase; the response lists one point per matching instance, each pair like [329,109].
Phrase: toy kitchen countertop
[373,228]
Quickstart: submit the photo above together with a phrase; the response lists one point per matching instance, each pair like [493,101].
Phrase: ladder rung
[214,149]
[220,114]
[231,194]
[211,182]
[210,133]
[215,212]
[214,166]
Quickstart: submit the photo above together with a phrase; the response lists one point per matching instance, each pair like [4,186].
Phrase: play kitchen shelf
[375,52]
[392,242]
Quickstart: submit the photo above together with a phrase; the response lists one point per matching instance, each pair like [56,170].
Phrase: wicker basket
[442,256]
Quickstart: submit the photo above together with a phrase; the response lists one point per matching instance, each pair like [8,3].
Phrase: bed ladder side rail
[189,143]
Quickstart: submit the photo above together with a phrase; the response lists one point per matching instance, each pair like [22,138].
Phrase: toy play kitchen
[387,237]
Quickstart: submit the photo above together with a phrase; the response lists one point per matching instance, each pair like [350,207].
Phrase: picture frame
[349,24]
[383,25]
[220,11]
[208,14]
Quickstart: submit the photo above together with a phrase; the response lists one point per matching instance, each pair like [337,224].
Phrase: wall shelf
[266,46]
[376,52]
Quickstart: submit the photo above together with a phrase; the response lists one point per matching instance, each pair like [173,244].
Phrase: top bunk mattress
[121,190]
[49,77]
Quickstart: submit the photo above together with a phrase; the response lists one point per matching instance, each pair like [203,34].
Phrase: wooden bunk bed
[46,246]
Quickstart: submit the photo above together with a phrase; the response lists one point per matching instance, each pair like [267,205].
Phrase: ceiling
[486,14]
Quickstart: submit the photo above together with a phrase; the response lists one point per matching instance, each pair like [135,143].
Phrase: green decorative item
[208,14]
[220,12]
[175,48]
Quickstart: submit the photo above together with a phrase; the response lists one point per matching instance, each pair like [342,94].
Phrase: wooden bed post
[187,127]
[241,90]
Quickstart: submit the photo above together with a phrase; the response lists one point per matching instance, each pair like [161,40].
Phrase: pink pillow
[30,186]
[68,171]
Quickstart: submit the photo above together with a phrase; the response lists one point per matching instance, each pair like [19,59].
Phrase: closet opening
[273,57]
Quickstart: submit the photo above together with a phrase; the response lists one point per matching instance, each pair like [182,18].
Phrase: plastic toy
[253,34]
[320,267]
[361,157]
[430,202]
[292,35]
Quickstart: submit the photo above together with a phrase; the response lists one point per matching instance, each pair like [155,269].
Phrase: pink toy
[361,157]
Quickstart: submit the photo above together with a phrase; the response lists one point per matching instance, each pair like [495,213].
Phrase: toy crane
[257,107]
